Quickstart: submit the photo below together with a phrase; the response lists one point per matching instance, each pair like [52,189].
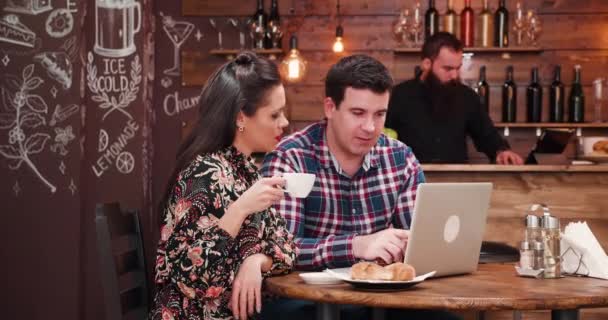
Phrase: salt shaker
[526,255]
[551,241]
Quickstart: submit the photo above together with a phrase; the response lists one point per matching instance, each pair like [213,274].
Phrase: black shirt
[441,140]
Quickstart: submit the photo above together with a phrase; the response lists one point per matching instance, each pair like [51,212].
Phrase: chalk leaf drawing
[23,110]
[111,103]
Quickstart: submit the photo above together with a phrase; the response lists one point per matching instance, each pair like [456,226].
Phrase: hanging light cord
[338,12]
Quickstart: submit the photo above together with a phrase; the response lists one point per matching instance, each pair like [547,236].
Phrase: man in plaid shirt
[365,187]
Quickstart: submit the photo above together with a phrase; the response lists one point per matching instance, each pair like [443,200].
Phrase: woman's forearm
[232,219]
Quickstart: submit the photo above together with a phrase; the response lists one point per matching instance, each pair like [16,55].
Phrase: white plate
[595,158]
[344,274]
[319,278]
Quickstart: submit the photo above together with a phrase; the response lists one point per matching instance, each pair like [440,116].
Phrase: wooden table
[492,287]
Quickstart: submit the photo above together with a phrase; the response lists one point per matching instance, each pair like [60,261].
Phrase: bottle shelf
[479,50]
[506,126]
[565,125]
[231,53]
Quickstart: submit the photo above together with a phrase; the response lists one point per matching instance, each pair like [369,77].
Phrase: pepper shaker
[539,255]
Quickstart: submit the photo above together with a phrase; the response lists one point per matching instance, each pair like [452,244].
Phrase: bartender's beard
[442,95]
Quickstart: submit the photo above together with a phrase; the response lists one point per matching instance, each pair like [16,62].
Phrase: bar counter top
[505,168]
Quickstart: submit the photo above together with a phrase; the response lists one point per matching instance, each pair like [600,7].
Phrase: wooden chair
[121,262]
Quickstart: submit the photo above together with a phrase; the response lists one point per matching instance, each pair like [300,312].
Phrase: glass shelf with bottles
[484,32]
[260,33]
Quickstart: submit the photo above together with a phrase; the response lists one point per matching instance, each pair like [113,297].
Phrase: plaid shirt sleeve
[314,253]
[407,197]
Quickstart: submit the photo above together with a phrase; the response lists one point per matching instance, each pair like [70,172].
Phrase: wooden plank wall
[574,32]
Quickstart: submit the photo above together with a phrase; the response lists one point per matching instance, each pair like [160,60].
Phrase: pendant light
[338,46]
[293,66]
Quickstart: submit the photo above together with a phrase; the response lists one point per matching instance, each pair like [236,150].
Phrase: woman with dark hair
[219,236]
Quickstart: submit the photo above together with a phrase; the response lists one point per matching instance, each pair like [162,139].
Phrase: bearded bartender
[433,114]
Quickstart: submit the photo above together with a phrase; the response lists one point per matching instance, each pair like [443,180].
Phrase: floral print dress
[196,260]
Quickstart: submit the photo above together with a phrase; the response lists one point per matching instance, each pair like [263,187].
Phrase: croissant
[601,146]
[371,271]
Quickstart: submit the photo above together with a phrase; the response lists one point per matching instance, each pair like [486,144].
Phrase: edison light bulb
[338,45]
[293,67]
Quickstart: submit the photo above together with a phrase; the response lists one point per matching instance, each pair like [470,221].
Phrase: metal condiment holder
[543,237]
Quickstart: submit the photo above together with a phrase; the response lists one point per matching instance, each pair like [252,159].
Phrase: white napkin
[582,253]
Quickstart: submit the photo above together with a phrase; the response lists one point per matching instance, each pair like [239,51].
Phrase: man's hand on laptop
[387,245]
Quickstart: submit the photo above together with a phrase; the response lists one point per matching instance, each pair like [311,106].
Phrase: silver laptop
[447,227]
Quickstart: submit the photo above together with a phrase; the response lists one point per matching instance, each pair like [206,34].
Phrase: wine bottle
[467,25]
[576,100]
[431,20]
[534,98]
[509,98]
[485,26]
[501,26]
[274,21]
[260,19]
[556,97]
[449,18]
[483,90]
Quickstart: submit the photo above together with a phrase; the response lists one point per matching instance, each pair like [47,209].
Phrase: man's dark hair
[439,40]
[359,72]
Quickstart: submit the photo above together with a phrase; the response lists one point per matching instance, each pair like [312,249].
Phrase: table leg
[378,313]
[328,311]
[480,315]
[516,315]
[569,314]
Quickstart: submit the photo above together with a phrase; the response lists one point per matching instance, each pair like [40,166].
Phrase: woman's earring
[241,129]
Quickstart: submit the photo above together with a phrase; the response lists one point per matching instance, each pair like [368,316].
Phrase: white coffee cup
[298,184]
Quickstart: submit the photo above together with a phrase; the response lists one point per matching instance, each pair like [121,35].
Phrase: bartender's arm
[508,157]
[486,137]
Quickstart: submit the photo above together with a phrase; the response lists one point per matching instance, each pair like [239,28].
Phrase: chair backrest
[121,262]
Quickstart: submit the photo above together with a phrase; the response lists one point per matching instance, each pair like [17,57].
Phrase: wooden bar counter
[573,193]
